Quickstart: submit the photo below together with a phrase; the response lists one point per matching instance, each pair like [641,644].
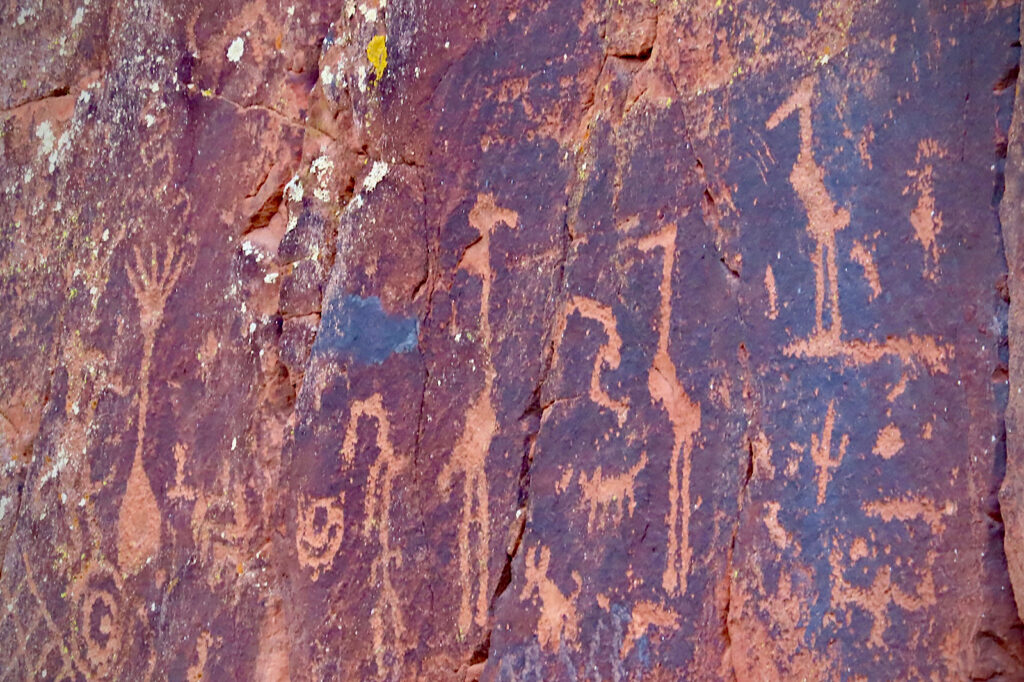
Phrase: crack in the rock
[712,218]
[535,411]
[56,93]
[274,113]
[711,221]
[641,56]
[730,573]
[429,282]
[1008,80]
[1005,192]
[267,210]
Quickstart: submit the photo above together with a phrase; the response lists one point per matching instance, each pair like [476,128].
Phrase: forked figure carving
[821,451]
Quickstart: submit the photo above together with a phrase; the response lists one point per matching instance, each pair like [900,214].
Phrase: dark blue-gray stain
[359,328]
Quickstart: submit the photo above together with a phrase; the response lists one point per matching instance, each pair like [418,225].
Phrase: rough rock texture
[598,339]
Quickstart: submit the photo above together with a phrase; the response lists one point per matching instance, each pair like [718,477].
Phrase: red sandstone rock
[615,340]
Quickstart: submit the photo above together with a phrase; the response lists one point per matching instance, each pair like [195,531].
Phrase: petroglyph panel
[620,341]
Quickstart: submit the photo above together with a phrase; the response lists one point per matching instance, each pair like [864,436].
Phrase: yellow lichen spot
[377,53]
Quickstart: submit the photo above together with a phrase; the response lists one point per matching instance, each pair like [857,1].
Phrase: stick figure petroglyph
[684,415]
[386,619]
[469,457]
[824,221]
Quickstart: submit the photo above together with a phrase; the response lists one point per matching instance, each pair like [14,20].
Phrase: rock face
[438,340]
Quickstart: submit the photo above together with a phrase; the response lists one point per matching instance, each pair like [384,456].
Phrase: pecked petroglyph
[645,616]
[319,531]
[36,624]
[773,293]
[386,620]
[684,415]
[94,590]
[821,451]
[609,355]
[887,591]
[925,218]
[198,669]
[889,442]
[469,457]
[605,497]
[910,507]
[861,255]
[558,621]
[138,526]
[98,597]
[883,592]
[824,221]
[93,648]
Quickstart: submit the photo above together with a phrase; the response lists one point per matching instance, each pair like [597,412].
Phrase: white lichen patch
[293,190]
[327,76]
[26,13]
[376,174]
[248,248]
[76,20]
[59,462]
[62,145]
[44,131]
[323,168]
[235,49]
